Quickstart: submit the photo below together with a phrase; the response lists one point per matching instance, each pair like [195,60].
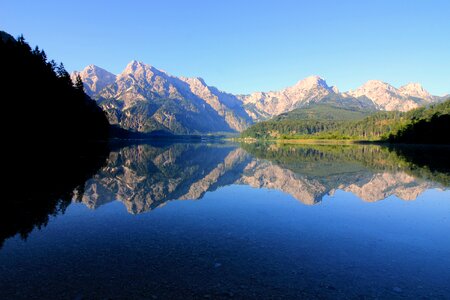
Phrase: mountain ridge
[144,98]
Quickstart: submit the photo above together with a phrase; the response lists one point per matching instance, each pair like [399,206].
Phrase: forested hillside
[430,126]
[323,121]
[425,124]
[324,112]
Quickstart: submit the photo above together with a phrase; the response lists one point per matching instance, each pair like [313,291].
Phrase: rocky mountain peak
[134,65]
[95,70]
[415,89]
[413,86]
[312,82]
[263,105]
[373,89]
[94,78]
[386,97]
[91,68]
[138,67]
[376,84]
[144,98]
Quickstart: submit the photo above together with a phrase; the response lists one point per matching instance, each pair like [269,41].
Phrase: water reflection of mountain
[144,177]
[371,172]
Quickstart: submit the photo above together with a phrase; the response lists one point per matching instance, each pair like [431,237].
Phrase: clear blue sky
[243,46]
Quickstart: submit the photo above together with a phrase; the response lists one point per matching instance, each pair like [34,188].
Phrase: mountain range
[145,99]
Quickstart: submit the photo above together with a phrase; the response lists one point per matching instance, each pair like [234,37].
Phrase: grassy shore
[308,141]
[320,141]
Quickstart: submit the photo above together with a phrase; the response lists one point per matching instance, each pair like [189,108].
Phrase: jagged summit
[375,82]
[387,97]
[264,105]
[415,89]
[94,78]
[92,67]
[371,87]
[311,82]
[141,69]
[95,70]
[135,65]
[413,85]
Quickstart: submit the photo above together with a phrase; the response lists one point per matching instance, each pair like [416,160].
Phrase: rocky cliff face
[415,90]
[313,89]
[373,95]
[274,103]
[143,98]
[94,78]
[386,97]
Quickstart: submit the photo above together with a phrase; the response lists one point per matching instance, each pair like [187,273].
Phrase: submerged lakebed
[219,220]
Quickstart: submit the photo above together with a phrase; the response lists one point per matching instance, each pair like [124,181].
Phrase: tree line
[422,125]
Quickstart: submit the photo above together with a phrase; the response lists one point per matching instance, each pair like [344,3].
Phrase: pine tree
[79,83]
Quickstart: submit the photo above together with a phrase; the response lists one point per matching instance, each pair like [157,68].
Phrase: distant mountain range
[144,99]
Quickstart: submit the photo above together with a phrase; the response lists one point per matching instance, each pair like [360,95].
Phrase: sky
[242,46]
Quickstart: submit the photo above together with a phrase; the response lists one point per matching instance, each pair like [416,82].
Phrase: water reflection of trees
[421,161]
[42,182]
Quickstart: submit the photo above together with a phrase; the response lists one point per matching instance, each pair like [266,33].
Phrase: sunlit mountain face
[144,177]
[143,98]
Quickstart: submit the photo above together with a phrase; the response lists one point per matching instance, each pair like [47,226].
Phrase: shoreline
[330,142]
[307,141]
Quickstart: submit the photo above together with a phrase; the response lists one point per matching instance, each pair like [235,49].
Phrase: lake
[217,220]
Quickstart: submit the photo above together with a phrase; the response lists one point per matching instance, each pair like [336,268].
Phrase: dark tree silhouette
[79,83]
[51,134]
[40,94]
[433,131]
[43,181]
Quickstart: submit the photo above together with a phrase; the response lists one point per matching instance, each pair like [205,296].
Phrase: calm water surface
[184,221]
